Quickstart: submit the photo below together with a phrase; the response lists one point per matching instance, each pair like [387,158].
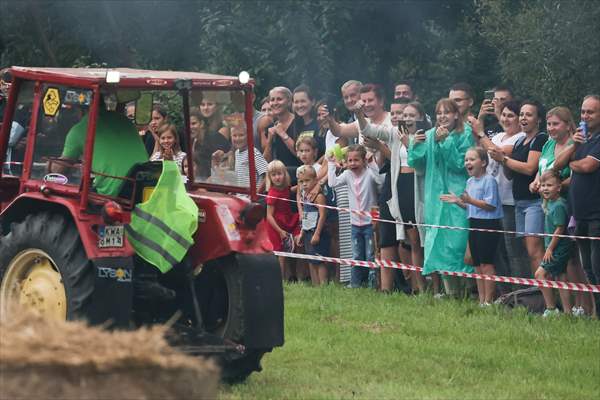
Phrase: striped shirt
[242,168]
[345,231]
[178,158]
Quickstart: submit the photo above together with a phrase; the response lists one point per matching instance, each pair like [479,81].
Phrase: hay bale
[69,360]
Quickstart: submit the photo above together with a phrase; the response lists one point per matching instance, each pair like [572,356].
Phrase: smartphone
[401,124]
[331,103]
[422,125]
[488,95]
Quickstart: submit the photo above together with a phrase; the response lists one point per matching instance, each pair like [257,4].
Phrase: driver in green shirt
[117,149]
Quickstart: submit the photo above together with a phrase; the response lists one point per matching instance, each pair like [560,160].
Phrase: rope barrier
[376,218]
[378,263]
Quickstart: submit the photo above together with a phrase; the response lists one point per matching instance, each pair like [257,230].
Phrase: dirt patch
[69,360]
[374,327]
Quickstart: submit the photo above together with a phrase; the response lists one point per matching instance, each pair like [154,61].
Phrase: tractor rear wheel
[44,268]
[223,315]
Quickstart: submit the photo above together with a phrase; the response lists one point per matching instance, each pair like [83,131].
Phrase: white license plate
[111,236]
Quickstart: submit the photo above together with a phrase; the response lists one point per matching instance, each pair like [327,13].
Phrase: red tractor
[63,251]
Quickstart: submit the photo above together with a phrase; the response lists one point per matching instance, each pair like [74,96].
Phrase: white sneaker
[577,311]
[439,296]
[550,312]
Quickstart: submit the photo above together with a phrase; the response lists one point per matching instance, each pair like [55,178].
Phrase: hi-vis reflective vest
[161,229]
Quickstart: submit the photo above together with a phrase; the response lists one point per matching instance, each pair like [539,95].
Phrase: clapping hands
[441,133]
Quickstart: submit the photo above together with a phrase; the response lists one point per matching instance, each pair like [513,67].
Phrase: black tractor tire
[56,236]
[224,316]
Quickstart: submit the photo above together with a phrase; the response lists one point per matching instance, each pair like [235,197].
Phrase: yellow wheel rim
[33,282]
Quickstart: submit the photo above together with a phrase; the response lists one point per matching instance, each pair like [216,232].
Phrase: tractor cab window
[17,141]
[60,109]
[218,133]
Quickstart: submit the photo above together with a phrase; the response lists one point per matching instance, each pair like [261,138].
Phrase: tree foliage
[547,49]
[544,48]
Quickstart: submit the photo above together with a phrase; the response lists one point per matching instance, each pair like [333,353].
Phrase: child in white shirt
[362,180]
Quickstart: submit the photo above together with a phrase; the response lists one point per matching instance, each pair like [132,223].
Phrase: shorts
[560,258]
[406,197]
[529,216]
[320,249]
[483,245]
[386,230]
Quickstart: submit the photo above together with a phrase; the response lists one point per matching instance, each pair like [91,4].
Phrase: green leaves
[545,48]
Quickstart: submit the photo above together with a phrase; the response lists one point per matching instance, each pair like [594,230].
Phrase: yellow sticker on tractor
[51,102]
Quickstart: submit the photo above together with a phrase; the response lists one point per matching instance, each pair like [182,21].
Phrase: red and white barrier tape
[375,217]
[581,287]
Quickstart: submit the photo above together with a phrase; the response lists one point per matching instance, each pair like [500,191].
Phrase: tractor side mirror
[143,109]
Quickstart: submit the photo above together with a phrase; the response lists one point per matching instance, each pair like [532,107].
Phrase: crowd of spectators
[511,166]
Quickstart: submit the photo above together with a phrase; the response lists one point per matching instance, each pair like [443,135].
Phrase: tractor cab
[43,113]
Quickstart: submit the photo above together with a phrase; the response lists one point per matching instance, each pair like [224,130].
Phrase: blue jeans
[529,216]
[362,249]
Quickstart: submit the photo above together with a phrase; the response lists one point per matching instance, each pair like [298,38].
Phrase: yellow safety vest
[161,228]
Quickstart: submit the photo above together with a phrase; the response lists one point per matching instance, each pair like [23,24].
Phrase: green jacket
[443,165]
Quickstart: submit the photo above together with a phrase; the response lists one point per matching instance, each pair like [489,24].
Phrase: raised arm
[332,179]
[378,132]
[417,150]
[586,165]
[261,126]
[338,129]
[454,147]
[563,158]
[530,167]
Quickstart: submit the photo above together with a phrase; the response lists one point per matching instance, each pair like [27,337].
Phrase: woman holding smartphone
[513,253]
[561,127]
[522,167]
[440,153]
[401,204]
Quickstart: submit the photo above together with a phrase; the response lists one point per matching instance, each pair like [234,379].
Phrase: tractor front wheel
[44,268]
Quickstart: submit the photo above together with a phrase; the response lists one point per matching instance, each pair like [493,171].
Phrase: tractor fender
[86,223]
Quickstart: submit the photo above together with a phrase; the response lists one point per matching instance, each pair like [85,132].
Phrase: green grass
[343,343]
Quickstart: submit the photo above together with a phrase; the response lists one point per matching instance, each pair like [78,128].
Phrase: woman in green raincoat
[440,153]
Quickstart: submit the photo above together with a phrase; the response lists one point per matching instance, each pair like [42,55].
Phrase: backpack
[530,298]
